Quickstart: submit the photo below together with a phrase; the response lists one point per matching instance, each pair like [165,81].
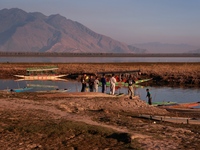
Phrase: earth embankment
[88,121]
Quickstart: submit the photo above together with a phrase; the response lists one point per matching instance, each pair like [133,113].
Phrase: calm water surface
[159,94]
[99,59]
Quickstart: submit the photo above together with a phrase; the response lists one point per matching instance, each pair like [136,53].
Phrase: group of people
[92,83]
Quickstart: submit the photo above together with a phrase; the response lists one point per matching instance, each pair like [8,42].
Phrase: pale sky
[128,21]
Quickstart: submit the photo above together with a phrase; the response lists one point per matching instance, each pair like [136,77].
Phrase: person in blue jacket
[103,81]
[149,97]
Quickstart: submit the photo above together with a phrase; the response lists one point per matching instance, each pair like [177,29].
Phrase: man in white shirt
[96,84]
[112,84]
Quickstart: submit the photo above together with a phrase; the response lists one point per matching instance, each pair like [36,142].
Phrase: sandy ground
[85,121]
[89,121]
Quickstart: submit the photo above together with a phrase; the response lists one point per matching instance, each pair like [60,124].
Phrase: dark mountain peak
[56,21]
[158,47]
[38,15]
[56,17]
[18,15]
[14,13]
[12,10]
[10,19]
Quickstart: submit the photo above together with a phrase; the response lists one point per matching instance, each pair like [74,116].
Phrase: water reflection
[159,94]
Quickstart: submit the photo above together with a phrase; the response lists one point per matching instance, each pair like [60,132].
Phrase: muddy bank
[172,74]
[77,121]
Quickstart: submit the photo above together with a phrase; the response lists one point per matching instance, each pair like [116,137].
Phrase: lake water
[98,59]
[159,94]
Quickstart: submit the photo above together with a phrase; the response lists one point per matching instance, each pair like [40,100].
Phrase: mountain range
[157,47]
[195,51]
[34,32]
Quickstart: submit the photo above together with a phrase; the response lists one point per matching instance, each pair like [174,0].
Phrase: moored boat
[41,73]
[164,103]
[60,90]
[18,90]
[118,83]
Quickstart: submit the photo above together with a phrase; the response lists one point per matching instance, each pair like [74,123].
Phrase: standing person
[83,81]
[96,84]
[91,83]
[149,97]
[103,82]
[130,82]
[112,84]
[87,84]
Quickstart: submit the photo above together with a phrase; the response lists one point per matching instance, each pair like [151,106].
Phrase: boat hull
[169,103]
[19,90]
[126,84]
[42,77]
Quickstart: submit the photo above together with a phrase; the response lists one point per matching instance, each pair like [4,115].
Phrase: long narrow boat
[182,120]
[56,91]
[169,103]
[18,90]
[126,84]
[122,76]
[60,90]
[41,73]
[41,86]
[186,105]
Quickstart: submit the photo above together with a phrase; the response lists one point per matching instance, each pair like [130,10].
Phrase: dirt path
[109,112]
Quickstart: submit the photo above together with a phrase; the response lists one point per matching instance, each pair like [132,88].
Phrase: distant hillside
[35,32]
[195,51]
[157,47]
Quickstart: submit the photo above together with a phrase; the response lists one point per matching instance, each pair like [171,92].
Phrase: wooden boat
[25,89]
[41,73]
[136,82]
[169,103]
[186,105]
[41,86]
[181,120]
[57,91]
[122,76]
[118,83]
[60,90]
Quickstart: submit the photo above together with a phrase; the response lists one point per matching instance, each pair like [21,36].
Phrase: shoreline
[167,73]
[65,54]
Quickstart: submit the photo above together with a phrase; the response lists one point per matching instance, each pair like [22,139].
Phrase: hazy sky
[129,21]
